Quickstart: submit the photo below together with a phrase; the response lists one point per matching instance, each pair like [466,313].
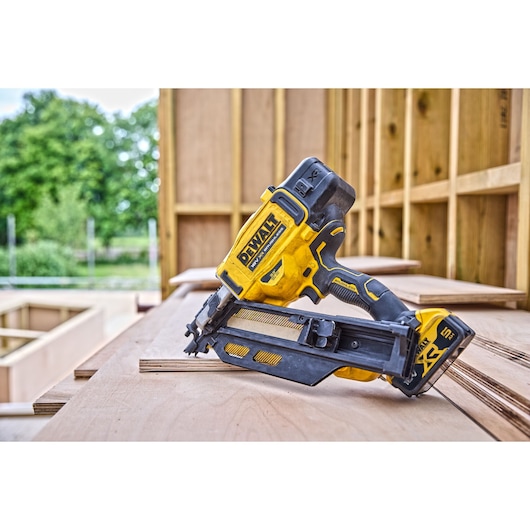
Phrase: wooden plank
[500,180]
[379,264]
[496,394]
[120,403]
[498,426]
[167,221]
[30,334]
[89,367]
[237,160]
[34,367]
[192,364]
[431,290]
[56,397]
[204,277]
[523,230]
[489,381]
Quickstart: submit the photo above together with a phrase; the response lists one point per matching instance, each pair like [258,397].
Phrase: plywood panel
[204,277]
[258,143]
[204,146]
[120,403]
[481,239]
[203,241]
[392,138]
[432,290]
[391,232]
[428,237]
[430,135]
[484,129]
[305,129]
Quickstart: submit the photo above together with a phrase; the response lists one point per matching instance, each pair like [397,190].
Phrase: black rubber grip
[348,296]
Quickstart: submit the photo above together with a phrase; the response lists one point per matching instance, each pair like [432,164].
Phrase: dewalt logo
[261,242]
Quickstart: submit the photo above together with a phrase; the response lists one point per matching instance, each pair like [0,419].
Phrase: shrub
[4,262]
[45,258]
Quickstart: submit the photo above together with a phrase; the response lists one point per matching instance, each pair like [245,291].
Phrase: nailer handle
[364,291]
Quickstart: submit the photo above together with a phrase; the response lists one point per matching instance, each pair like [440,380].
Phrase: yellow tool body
[287,250]
[271,252]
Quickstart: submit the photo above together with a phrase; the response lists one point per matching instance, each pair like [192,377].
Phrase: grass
[104,270]
[133,242]
[132,270]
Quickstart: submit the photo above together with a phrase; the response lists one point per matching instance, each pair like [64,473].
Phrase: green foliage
[43,258]
[60,154]
[62,220]
[4,262]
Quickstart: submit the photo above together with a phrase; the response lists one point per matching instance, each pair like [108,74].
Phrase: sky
[109,99]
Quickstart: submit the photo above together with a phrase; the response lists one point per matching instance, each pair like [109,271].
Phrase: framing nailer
[287,250]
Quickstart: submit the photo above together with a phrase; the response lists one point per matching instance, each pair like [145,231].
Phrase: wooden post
[237,161]
[407,174]
[167,170]
[523,231]
[279,135]
[363,174]
[453,173]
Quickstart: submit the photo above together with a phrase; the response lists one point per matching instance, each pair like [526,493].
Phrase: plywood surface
[424,289]
[490,381]
[120,403]
[54,399]
[205,276]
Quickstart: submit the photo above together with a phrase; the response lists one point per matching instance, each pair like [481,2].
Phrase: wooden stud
[407,174]
[351,165]
[279,135]
[363,174]
[377,171]
[237,160]
[454,119]
[523,230]
[258,145]
[167,220]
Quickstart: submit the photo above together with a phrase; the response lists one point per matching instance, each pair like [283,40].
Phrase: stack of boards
[142,386]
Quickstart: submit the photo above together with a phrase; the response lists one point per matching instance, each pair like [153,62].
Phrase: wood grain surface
[120,403]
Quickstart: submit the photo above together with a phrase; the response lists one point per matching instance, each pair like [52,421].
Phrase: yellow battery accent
[358,374]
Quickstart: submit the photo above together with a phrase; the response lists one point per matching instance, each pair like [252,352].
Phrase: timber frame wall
[441,175]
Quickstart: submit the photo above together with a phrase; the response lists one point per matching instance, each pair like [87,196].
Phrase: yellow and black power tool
[287,250]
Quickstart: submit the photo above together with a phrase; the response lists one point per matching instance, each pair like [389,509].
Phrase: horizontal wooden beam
[493,180]
[13,333]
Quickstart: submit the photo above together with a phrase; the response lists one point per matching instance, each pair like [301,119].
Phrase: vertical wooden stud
[279,136]
[407,174]
[363,174]
[167,224]
[377,170]
[523,230]
[237,161]
[452,221]
[351,165]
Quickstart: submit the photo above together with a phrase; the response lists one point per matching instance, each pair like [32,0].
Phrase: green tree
[62,220]
[59,147]
[136,143]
